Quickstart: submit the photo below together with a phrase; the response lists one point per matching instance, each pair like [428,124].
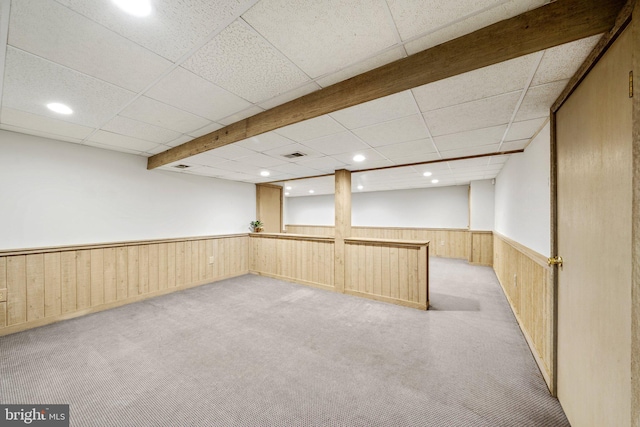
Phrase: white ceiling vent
[294,155]
[181,166]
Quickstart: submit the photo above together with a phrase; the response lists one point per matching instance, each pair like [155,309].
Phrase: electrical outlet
[515,280]
[211,260]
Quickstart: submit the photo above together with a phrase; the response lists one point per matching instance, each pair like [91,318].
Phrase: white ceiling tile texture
[242,62]
[52,31]
[144,85]
[309,31]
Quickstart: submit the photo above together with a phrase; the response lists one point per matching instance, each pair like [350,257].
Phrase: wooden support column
[342,224]
[635,249]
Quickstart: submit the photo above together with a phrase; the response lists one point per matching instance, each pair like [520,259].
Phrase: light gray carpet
[254,351]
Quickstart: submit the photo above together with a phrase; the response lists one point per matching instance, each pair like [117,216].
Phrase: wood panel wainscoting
[474,246]
[392,271]
[46,285]
[525,279]
[307,260]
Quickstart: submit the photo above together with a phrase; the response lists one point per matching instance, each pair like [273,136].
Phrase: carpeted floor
[254,351]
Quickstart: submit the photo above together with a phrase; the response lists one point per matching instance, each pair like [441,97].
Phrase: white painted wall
[310,210]
[57,193]
[522,196]
[438,207]
[482,205]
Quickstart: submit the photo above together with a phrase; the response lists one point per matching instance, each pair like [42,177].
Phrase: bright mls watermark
[34,415]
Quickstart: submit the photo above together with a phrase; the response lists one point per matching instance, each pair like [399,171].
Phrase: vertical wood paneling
[394,274]
[50,285]
[16,290]
[163,266]
[35,287]
[133,278]
[179,264]
[68,281]
[97,277]
[154,254]
[83,279]
[172,265]
[143,269]
[52,279]
[110,275]
[122,271]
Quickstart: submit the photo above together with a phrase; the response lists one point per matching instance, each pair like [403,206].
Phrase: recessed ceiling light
[427,174]
[359,158]
[286,194]
[265,173]
[434,181]
[311,191]
[134,7]
[360,187]
[288,188]
[59,108]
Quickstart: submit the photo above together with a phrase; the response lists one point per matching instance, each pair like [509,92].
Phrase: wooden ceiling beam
[556,23]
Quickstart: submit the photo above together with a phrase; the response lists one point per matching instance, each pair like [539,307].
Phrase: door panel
[593,136]
[269,207]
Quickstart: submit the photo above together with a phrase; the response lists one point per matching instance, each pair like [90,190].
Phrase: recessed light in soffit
[139,8]
[59,108]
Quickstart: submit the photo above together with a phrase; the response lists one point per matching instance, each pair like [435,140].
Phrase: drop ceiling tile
[372,160]
[140,130]
[464,24]
[158,149]
[323,36]
[114,148]
[206,159]
[538,100]
[392,132]
[525,129]
[338,143]
[311,129]
[36,132]
[262,160]
[479,114]
[415,158]
[417,149]
[240,177]
[264,142]
[515,145]
[179,141]
[561,62]
[363,66]
[21,119]
[186,91]
[473,151]
[324,164]
[379,110]
[31,82]
[249,112]
[231,152]
[110,139]
[504,77]
[479,162]
[415,17]
[245,64]
[50,30]
[280,152]
[211,127]
[295,169]
[296,93]
[160,114]
[174,26]
[472,138]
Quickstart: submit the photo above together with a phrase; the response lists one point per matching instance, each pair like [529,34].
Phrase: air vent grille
[294,155]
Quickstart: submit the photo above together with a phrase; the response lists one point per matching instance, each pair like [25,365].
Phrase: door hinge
[556,260]
[631,84]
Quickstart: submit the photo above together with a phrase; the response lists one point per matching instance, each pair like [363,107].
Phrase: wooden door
[269,207]
[594,196]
